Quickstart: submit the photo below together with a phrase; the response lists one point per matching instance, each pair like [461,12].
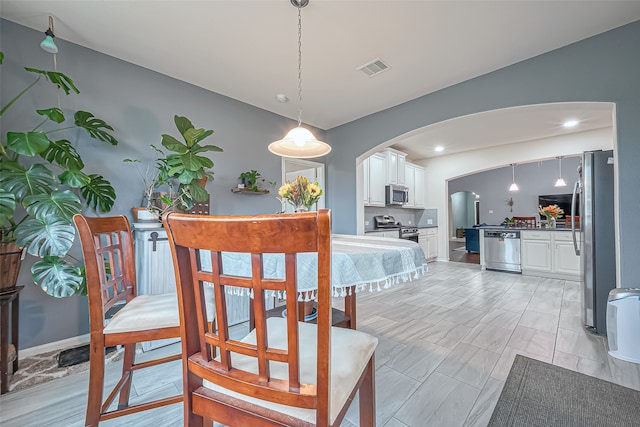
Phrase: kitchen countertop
[497,227]
[373,230]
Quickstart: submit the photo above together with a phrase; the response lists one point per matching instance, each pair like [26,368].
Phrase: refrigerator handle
[576,189]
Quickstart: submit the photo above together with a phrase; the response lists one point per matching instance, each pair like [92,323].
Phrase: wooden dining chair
[524,221]
[107,246]
[284,372]
[568,221]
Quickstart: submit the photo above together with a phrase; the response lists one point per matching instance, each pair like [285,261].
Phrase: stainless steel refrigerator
[594,236]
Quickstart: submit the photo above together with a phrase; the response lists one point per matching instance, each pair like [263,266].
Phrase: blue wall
[602,68]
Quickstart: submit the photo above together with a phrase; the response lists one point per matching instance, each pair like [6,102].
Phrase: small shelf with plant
[253,183]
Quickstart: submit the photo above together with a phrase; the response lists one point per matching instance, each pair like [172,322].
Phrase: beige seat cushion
[350,352]
[154,311]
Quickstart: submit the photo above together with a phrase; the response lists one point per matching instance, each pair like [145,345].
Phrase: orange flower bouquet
[551,212]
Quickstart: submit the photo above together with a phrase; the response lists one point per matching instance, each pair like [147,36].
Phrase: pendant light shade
[514,186]
[299,142]
[560,182]
[48,44]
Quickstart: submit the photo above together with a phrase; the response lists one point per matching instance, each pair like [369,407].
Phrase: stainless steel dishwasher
[502,250]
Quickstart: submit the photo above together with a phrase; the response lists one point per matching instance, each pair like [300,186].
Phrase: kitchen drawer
[535,235]
[565,236]
[432,231]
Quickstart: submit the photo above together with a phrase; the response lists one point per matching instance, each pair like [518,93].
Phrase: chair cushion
[350,352]
[146,312]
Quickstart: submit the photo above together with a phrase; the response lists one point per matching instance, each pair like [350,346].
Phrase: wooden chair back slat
[105,264]
[190,236]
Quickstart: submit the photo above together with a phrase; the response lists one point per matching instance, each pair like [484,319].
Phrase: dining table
[359,263]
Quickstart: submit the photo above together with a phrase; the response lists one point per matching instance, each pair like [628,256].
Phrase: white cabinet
[419,186]
[394,163]
[414,180]
[428,240]
[565,258]
[549,254]
[373,169]
[410,182]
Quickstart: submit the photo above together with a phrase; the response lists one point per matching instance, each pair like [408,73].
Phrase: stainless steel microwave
[396,194]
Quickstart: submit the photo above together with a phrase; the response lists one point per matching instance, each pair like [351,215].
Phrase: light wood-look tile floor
[447,342]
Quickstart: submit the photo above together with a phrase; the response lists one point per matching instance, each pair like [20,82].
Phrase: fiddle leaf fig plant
[43,184]
[186,163]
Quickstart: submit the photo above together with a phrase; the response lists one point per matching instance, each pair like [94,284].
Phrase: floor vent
[374,67]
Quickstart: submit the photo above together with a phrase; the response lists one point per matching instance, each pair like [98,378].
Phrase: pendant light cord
[299,65]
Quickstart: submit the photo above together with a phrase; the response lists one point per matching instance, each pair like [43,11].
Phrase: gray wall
[602,68]
[140,105]
[533,179]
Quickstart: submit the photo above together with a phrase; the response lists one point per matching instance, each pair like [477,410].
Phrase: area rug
[539,394]
[44,367]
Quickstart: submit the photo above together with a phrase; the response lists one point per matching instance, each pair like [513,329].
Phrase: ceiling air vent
[374,67]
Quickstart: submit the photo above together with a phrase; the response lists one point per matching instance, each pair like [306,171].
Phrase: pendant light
[514,186]
[299,142]
[560,182]
[47,44]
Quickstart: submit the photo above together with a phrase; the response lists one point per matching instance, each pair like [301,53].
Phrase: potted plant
[254,181]
[43,184]
[185,167]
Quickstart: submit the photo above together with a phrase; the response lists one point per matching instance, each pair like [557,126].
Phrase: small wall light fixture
[47,44]
[514,186]
[560,182]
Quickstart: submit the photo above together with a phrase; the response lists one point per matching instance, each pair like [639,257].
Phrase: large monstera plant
[43,184]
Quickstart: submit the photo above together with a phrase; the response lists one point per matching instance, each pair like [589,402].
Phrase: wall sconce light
[560,182]
[47,44]
[514,186]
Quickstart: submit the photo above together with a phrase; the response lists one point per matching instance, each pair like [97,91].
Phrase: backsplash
[404,216]
[427,217]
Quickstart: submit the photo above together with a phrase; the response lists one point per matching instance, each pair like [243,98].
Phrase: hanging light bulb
[560,182]
[47,44]
[299,142]
[514,186]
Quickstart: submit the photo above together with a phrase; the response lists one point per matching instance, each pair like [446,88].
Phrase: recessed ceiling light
[281,97]
[439,148]
[570,123]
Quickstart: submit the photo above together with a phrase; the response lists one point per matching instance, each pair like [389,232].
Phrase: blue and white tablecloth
[362,263]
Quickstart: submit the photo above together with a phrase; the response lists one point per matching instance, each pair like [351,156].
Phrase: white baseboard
[53,346]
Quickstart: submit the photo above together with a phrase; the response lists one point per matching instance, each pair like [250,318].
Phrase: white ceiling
[247,50]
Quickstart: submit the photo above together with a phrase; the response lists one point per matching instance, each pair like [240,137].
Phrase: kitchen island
[544,252]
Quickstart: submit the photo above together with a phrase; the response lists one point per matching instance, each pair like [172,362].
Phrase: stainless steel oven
[409,233]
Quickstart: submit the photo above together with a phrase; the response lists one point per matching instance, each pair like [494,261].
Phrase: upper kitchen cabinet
[395,166]
[414,180]
[374,171]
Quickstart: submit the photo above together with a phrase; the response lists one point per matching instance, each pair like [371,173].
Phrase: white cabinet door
[536,255]
[365,181]
[432,247]
[402,160]
[422,240]
[565,259]
[409,176]
[392,234]
[392,167]
[376,180]
[418,197]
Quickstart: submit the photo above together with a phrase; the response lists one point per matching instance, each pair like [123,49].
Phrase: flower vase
[551,222]
[300,208]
